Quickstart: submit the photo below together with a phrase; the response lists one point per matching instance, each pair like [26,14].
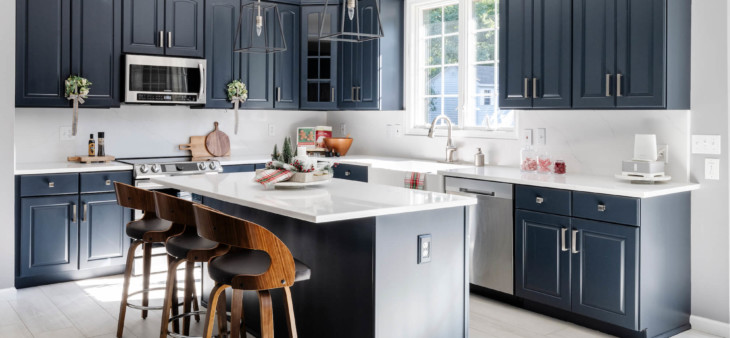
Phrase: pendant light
[253,34]
[350,29]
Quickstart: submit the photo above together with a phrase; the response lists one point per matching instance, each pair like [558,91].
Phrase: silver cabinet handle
[608,85]
[108,182]
[85,212]
[203,80]
[601,207]
[526,93]
[333,94]
[169,39]
[574,244]
[352,93]
[534,87]
[476,192]
[563,246]
[51,184]
[618,85]
[359,94]
[278,94]
[73,213]
[162,39]
[539,200]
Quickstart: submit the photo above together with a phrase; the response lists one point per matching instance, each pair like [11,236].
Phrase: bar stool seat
[180,246]
[224,268]
[137,229]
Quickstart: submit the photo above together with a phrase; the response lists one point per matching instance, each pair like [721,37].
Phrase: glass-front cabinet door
[319,59]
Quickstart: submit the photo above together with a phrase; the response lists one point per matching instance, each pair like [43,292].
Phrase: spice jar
[559,167]
[528,159]
[544,163]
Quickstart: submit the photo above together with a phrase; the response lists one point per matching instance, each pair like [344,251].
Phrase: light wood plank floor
[90,308]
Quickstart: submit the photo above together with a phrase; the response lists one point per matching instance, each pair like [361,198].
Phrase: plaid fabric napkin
[269,177]
[415,180]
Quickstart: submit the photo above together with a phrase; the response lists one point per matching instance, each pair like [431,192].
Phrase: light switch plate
[707,144]
[272,130]
[424,248]
[64,134]
[343,129]
[541,136]
[712,168]
[527,137]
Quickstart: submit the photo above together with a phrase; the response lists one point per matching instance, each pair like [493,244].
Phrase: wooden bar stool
[257,261]
[148,230]
[189,248]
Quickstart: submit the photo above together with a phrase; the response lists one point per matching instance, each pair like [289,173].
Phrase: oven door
[164,80]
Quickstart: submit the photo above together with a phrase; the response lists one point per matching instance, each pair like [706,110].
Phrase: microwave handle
[203,80]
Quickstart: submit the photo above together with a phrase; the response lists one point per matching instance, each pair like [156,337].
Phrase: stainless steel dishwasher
[491,232]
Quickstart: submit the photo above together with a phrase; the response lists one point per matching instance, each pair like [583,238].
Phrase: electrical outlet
[541,136]
[706,144]
[424,248]
[527,137]
[272,130]
[392,130]
[663,153]
[343,129]
[65,134]
[712,168]
[397,132]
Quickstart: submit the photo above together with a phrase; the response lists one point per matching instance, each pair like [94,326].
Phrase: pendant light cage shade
[353,25]
[259,29]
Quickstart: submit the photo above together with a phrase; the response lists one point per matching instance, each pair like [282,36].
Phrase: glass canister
[528,160]
[544,163]
[559,168]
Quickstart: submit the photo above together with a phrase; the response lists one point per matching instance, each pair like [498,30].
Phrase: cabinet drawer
[103,182]
[239,168]
[608,208]
[351,172]
[45,185]
[553,201]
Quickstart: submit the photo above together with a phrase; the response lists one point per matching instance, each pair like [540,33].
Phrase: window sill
[466,133]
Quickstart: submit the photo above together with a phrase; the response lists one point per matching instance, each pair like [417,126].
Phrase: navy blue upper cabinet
[631,54]
[224,65]
[535,46]
[286,64]
[257,69]
[43,52]
[102,237]
[605,269]
[164,27]
[358,65]
[96,28]
[319,59]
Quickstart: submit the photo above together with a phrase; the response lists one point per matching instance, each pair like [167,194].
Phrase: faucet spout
[450,148]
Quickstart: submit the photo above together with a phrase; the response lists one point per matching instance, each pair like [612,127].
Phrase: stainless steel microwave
[164,80]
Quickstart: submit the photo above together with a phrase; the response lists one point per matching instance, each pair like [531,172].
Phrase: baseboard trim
[710,326]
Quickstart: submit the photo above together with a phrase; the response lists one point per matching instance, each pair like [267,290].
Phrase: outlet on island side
[424,248]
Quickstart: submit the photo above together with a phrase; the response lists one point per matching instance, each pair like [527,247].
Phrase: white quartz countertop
[67,167]
[334,201]
[589,183]
[397,163]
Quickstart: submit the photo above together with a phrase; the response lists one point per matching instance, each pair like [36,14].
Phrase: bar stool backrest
[226,229]
[175,210]
[135,198]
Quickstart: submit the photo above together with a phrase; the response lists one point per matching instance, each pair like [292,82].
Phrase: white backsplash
[146,131]
[589,141]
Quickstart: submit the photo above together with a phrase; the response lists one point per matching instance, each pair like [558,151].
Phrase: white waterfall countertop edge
[337,200]
[608,185]
[67,167]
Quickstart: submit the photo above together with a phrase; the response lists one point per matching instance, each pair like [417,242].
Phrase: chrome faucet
[450,148]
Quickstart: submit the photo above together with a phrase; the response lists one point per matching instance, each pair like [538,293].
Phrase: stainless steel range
[146,168]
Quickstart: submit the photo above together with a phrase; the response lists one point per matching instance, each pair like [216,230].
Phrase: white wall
[145,131]
[7,105]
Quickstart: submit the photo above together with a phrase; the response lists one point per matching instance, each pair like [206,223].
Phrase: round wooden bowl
[338,144]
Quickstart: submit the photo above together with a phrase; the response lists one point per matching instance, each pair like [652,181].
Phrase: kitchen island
[361,242]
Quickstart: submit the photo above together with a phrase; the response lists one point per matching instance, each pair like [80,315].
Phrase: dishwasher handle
[476,192]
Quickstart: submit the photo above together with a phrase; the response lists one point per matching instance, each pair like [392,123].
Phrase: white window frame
[414,77]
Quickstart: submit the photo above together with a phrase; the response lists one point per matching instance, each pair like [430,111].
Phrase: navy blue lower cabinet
[351,172]
[49,232]
[605,268]
[542,258]
[102,237]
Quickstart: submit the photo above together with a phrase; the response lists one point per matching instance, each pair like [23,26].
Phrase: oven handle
[203,80]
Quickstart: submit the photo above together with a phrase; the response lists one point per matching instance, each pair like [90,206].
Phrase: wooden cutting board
[196,147]
[218,143]
[90,159]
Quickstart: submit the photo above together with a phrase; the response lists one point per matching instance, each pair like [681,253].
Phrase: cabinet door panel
[143,22]
[223,64]
[43,52]
[97,42]
[184,19]
[594,53]
[552,54]
[48,235]
[286,64]
[515,39]
[257,69]
[605,272]
[641,53]
[542,265]
[319,59]
[369,56]
[349,71]
[103,241]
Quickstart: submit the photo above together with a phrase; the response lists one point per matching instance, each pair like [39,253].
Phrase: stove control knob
[143,168]
[201,166]
[155,168]
[212,166]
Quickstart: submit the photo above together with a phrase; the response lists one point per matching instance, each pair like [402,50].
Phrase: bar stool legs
[146,270]
[291,323]
[125,288]
[237,323]
[267,314]
[217,296]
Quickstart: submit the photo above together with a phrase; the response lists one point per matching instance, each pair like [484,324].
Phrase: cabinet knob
[601,207]
[51,184]
[539,200]
[108,182]
[348,173]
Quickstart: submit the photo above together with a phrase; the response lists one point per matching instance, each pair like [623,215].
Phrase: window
[454,66]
